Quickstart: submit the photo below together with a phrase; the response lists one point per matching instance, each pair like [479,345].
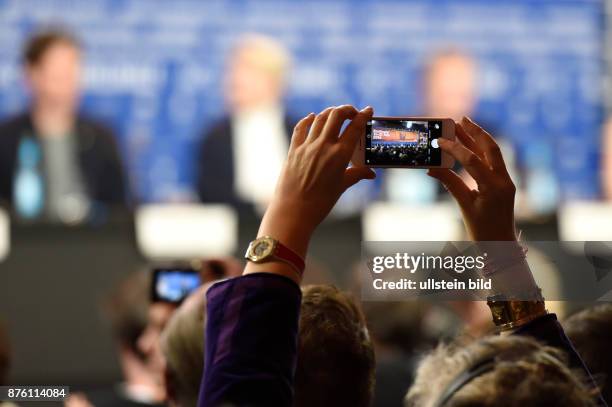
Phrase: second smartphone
[405,142]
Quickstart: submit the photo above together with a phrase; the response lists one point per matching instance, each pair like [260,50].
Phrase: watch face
[261,249]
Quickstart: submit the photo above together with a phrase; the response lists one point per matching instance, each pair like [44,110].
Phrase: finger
[300,131]
[487,143]
[470,161]
[353,175]
[454,184]
[356,129]
[468,141]
[319,123]
[336,119]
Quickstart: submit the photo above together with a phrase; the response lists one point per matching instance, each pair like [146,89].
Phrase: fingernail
[443,141]
[465,119]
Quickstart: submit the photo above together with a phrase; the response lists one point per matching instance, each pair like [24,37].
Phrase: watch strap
[290,257]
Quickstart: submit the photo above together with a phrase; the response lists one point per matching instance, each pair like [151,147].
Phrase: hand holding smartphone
[405,142]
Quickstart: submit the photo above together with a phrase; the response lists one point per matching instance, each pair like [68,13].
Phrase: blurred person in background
[590,331]
[182,343]
[449,85]
[241,155]
[54,162]
[127,309]
[149,343]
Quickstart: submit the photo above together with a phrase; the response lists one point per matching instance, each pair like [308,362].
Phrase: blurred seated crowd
[400,154]
[267,333]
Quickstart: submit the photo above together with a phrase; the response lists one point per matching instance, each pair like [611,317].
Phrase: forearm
[280,223]
[251,341]
[253,320]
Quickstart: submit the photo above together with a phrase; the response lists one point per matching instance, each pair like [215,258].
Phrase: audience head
[256,75]
[590,331]
[398,326]
[182,344]
[515,371]
[449,84]
[149,342]
[52,62]
[335,355]
[127,310]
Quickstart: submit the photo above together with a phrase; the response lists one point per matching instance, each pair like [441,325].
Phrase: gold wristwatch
[266,248]
[511,313]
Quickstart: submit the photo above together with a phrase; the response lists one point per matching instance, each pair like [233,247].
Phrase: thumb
[353,175]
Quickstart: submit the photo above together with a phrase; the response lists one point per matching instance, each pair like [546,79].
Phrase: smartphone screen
[403,143]
[174,284]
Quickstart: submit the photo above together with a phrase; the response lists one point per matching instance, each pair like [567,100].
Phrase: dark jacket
[99,160]
[215,165]
[251,341]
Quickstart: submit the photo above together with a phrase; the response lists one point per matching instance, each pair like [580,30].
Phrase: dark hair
[40,42]
[336,360]
[590,331]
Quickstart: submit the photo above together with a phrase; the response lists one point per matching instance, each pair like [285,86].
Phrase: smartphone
[173,285]
[405,142]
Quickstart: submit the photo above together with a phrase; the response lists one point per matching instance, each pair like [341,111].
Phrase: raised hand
[488,211]
[313,178]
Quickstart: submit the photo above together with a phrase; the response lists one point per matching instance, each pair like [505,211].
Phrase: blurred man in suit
[242,154]
[128,311]
[449,85]
[55,163]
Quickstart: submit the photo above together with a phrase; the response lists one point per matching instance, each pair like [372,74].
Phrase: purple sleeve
[251,341]
[549,331]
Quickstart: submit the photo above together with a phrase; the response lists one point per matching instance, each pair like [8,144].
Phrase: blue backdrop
[154,70]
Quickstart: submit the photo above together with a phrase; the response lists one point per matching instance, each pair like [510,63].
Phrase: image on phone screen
[403,143]
[174,285]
